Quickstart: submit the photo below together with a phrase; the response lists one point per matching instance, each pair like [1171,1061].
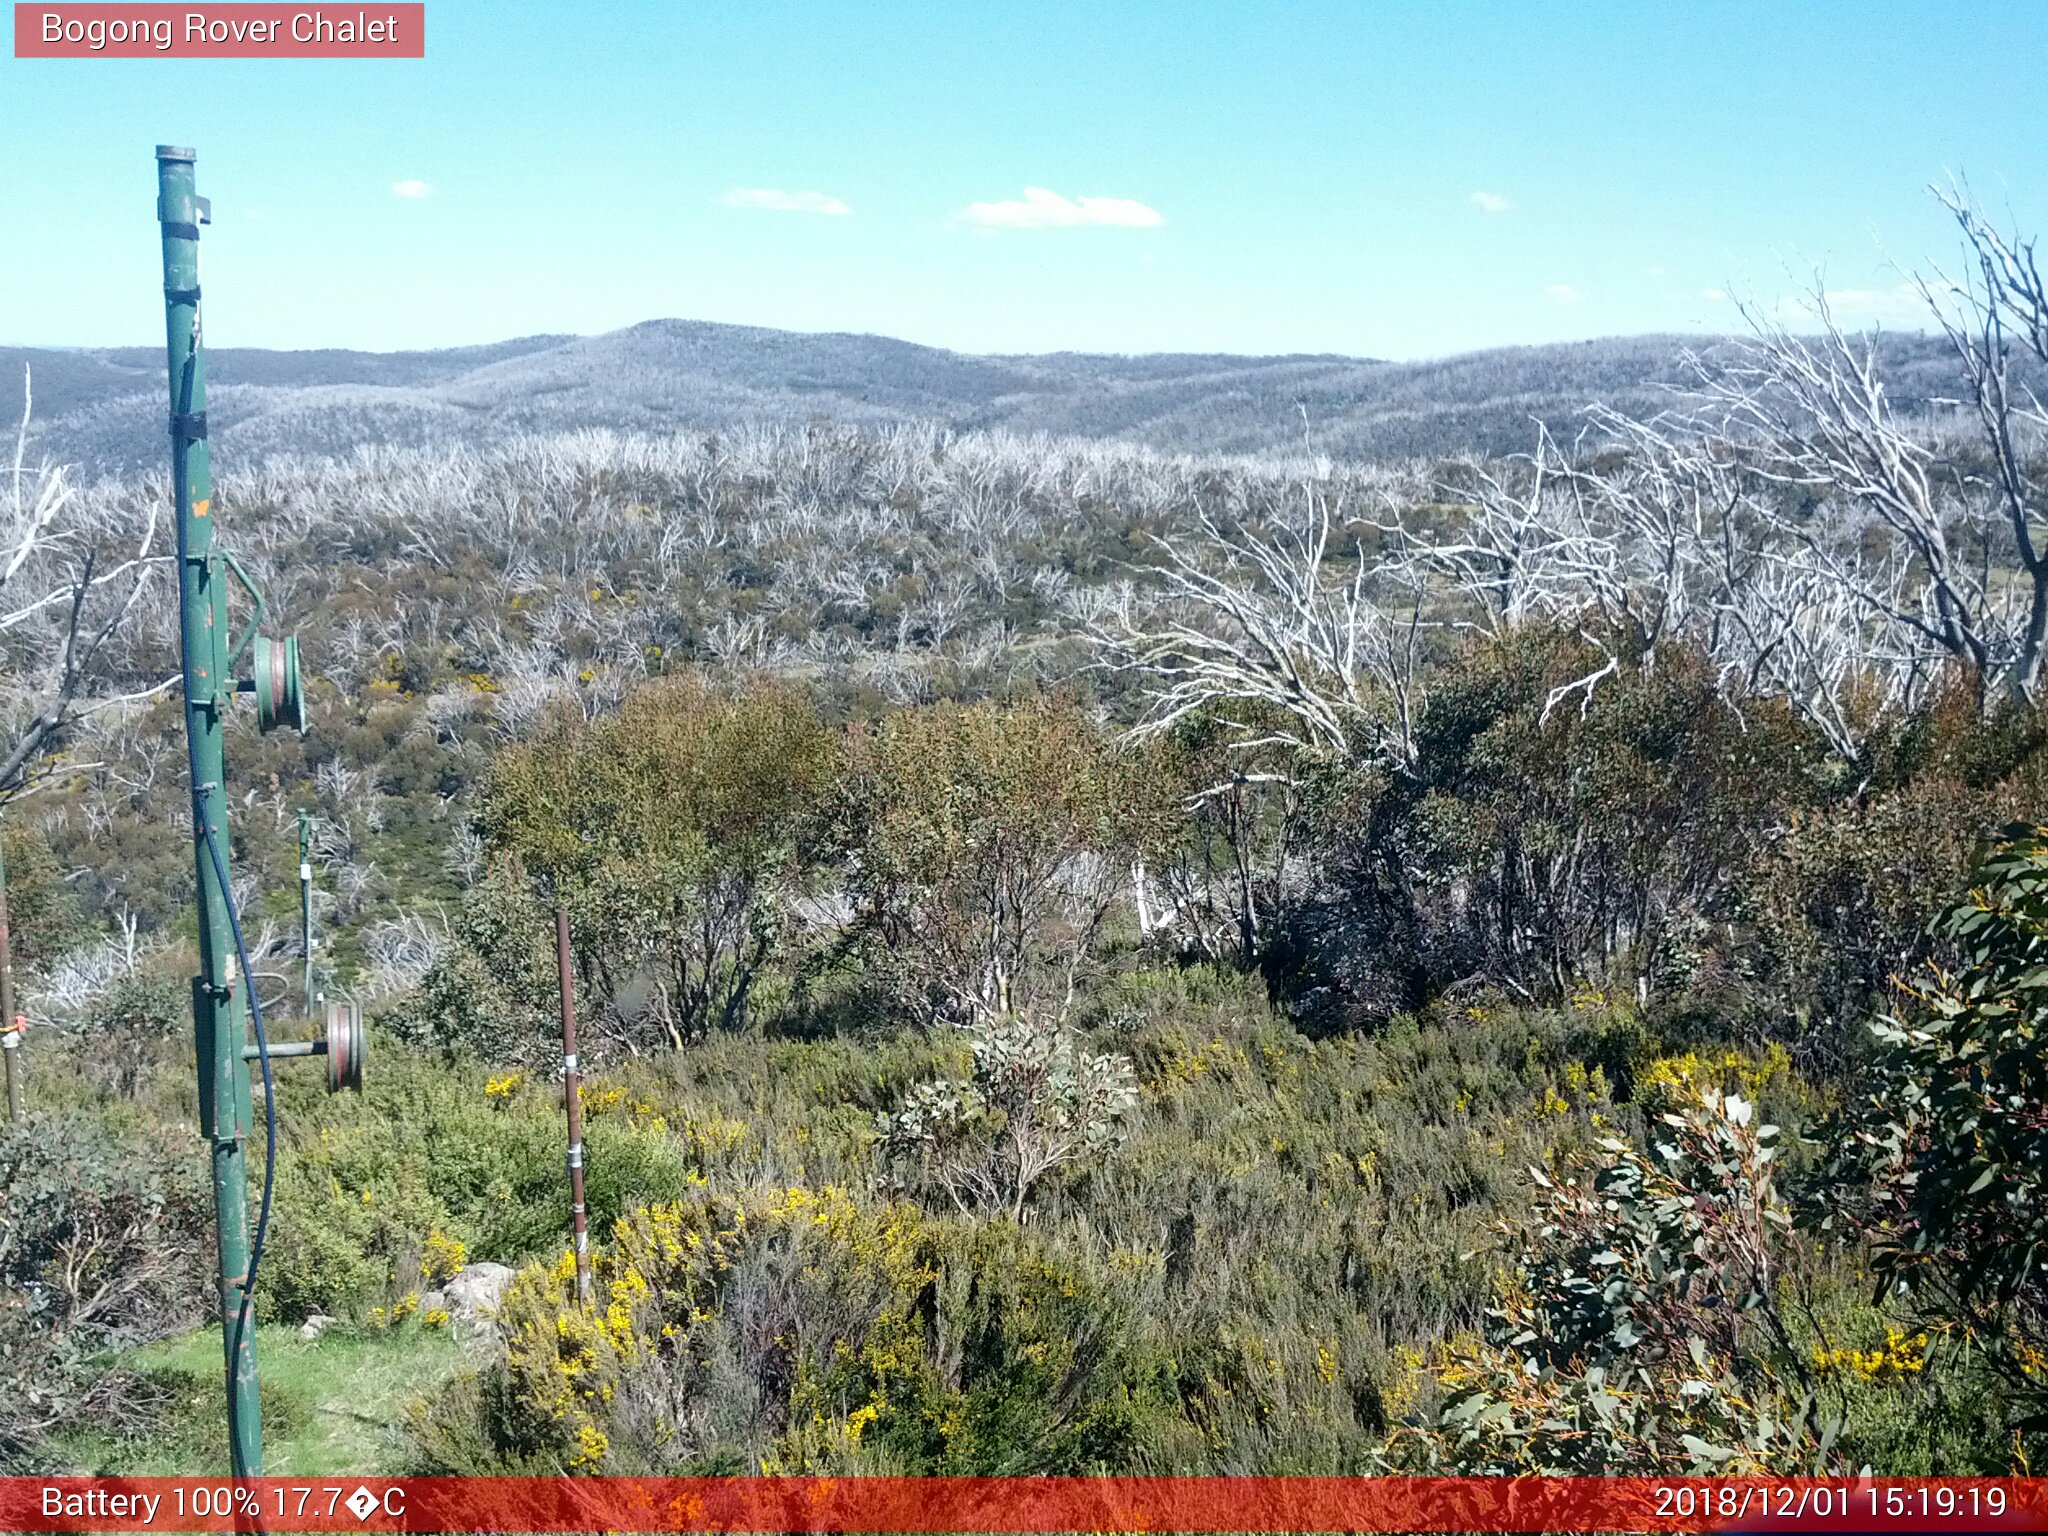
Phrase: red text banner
[237,31]
[1020,1504]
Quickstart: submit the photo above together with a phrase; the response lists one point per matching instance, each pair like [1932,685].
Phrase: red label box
[368,29]
[1005,1506]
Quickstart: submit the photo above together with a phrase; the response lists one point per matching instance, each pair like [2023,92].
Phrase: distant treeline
[102,408]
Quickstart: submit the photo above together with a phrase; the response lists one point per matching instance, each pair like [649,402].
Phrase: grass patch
[336,1406]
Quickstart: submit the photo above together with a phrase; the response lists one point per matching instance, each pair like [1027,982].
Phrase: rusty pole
[572,1100]
[10,1033]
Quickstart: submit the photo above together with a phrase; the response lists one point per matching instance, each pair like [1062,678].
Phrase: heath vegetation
[1094,959]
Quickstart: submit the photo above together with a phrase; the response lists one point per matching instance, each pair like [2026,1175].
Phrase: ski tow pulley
[346,1047]
[280,694]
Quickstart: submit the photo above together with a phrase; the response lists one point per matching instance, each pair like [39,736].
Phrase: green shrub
[1545,843]
[104,1244]
[43,916]
[1642,1330]
[1951,1134]
[363,1181]
[1034,1102]
[678,833]
[492,993]
[127,1025]
[985,849]
[1842,910]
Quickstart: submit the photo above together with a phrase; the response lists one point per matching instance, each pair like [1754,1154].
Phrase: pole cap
[175,152]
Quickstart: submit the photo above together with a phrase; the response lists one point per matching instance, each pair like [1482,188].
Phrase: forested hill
[104,408]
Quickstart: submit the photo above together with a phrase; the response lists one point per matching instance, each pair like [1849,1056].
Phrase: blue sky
[1398,180]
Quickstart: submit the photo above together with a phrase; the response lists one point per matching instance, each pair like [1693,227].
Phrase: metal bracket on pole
[257,608]
[344,1045]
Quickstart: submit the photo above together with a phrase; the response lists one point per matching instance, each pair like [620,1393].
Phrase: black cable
[220,870]
[180,485]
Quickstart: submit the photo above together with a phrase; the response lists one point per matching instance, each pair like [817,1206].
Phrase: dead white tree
[1943,548]
[1795,521]
[1253,630]
[1997,315]
[1616,537]
[67,586]
[1516,554]
[1541,541]
[1671,539]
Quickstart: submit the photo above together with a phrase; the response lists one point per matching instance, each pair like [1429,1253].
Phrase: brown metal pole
[10,1037]
[10,1047]
[572,1099]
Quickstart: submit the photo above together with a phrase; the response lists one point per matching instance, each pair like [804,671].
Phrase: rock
[314,1326]
[471,1300]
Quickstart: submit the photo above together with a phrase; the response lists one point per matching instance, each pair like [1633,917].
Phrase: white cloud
[775,200]
[1565,293]
[1491,202]
[1040,209]
[411,190]
[1898,305]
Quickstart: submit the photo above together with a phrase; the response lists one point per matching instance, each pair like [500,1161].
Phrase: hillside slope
[104,408]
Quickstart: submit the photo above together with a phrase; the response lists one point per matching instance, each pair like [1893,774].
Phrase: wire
[220,870]
[180,489]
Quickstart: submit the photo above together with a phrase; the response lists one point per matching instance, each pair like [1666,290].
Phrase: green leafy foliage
[361,1186]
[678,833]
[1642,1329]
[1541,842]
[987,846]
[491,993]
[1839,915]
[1034,1102]
[1222,870]
[1953,1134]
[128,1023]
[43,916]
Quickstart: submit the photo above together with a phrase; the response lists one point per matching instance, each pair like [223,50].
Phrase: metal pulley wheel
[280,696]
[346,1048]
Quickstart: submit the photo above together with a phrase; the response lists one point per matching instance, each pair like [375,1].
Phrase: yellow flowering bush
[1670,1083]
[443,1257]
[1898,1357]
[658,1286]
[865,1336]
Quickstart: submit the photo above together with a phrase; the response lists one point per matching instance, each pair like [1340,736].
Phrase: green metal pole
[218,1009]
[306,903]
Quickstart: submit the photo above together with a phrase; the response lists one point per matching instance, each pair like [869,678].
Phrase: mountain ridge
[103,407]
